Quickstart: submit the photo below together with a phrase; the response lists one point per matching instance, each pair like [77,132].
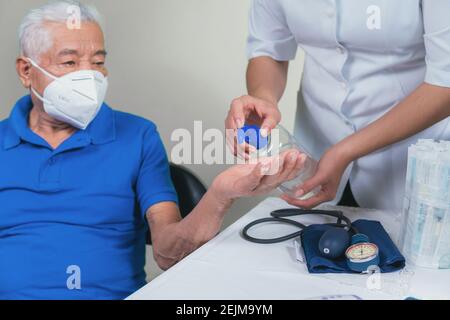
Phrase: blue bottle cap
[251,134]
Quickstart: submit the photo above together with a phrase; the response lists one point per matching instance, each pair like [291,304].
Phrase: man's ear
[23,67]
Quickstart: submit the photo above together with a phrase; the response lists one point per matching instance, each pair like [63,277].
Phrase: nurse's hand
[252,111]
[247,180]
[328,176]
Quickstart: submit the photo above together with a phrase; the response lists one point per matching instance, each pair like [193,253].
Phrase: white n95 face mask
[75,98]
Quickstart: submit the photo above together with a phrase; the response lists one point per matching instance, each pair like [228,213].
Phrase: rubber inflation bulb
[334,242]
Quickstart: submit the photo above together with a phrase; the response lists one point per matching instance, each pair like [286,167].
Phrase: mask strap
[38,95]
[34,64]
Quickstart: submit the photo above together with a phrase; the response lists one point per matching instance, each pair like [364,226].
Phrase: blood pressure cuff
[390,257]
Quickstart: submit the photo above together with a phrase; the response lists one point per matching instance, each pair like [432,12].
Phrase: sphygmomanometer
[341,239]
[334,247]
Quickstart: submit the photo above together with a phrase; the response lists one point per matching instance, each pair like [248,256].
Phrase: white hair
[35,39]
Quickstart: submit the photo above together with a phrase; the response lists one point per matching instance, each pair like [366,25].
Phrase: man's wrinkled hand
[247,180]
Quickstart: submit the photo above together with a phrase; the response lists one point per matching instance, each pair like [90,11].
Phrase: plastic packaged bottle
[278,141]
[426,213]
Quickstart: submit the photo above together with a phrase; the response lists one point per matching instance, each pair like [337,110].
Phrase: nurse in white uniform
[376,79]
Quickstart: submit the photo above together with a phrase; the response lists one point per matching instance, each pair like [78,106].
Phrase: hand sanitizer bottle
[278,141]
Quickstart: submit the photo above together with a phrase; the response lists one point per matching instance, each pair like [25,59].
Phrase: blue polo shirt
[75,216]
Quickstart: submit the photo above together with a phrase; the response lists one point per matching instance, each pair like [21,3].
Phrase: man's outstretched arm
[174,238]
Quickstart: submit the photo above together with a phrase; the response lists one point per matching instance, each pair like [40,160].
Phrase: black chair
[189,188]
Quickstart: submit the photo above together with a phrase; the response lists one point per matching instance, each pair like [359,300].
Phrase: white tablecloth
[228,267]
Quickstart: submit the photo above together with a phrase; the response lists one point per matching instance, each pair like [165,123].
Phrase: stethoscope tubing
[279,216]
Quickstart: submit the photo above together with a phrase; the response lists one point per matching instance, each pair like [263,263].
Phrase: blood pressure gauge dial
[362,254]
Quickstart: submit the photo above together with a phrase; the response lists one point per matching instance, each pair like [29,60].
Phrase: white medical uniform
[363,57]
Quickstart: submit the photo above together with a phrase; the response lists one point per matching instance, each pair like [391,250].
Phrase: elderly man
[79,181]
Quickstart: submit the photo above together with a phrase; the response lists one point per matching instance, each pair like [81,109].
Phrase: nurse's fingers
[231,140]
[310,185]
[264,112]
[310,203]
[242,150]
[271,118]
[236,116]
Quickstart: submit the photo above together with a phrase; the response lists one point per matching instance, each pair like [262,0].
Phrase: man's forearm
[266,78]
[205,220]
[426,106]
[179,239]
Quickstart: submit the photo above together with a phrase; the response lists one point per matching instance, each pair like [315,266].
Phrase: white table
[228,267]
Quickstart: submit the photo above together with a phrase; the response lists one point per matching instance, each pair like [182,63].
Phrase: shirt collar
[101,130]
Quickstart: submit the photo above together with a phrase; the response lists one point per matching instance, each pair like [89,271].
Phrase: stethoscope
[342,238]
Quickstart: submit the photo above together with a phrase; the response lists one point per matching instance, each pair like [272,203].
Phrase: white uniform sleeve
[269,34]
[436,17]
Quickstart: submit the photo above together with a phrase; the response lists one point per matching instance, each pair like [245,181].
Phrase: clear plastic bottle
[278,141]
